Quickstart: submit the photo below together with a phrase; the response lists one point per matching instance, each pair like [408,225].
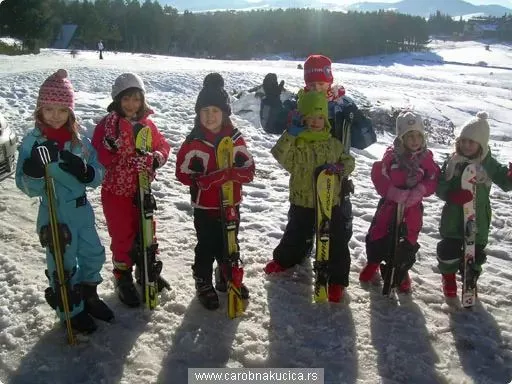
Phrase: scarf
[60,135]
[213,138]
[409,161]
[457,163]
[310,136]
[112,125]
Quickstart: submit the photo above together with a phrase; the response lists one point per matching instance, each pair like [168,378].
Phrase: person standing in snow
[196,167]
[342,112]
[304,147]
[405,175]
[472,146]
[114,140]
[73,167]
[101,48]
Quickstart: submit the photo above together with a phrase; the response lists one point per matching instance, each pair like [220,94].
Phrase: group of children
[406,174]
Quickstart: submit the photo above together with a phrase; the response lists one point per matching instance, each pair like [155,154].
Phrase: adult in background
[101,47]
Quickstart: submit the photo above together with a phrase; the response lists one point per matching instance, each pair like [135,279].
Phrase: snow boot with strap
[206,294]
[126,289]
[222,286]
[449,285]
[82,322]
[368,272]
[94,305]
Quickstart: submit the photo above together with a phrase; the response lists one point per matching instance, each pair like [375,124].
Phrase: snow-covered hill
[365,339]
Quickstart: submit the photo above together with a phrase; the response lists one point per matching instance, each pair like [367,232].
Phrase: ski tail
[391,275]
[324,200]
[147,205]
[233,268]
[469,275]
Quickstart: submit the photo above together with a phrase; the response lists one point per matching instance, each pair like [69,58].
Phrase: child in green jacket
[471,147]
[304,147]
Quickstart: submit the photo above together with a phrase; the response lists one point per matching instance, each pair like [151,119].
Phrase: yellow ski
[232,267]
[324,192]
[147,204]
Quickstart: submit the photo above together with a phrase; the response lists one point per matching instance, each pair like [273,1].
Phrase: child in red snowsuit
[115,142]
[196,167]
[405,175]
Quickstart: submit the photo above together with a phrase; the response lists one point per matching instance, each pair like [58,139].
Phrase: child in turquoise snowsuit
[73,167]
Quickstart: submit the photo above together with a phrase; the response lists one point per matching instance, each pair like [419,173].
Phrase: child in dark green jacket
[471,147]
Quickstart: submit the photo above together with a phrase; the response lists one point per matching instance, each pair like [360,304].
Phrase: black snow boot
[126,289]
[221,284]
[206,294]
[83,323]
[94,305]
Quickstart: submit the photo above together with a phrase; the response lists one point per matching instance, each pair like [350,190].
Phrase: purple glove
[509,173]
[214,179]
[416,195]
[334,169]
[397,195]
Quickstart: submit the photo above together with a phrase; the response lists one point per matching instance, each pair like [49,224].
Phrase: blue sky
[505,3]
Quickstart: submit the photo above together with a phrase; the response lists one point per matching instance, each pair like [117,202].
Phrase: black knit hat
[213,94]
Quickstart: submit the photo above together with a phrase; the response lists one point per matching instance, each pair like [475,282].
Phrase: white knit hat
[126,81]
[477,129]
[409,121]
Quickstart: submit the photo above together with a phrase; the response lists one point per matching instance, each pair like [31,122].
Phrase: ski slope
[365,339]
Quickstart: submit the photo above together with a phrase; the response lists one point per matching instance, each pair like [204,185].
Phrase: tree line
[148,27]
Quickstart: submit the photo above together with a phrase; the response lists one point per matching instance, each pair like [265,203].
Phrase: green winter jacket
[452,221]
[301,157]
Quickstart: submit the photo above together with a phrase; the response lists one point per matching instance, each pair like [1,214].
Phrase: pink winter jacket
[386,175]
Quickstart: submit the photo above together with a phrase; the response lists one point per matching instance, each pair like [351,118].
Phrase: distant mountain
[413,7]
[427,7]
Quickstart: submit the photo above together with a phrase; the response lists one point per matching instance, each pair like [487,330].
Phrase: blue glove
[294,123]
[294,130]
[334,169]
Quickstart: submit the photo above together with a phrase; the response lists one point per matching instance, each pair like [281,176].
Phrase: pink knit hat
[57,89]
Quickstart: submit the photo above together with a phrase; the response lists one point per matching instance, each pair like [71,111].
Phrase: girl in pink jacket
[405,175]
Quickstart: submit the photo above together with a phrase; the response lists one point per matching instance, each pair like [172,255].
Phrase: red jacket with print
[121,178]
[197,157]
[387,173]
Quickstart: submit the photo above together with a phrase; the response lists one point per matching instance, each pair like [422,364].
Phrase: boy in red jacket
[115,142]
[196,167]
[405,175]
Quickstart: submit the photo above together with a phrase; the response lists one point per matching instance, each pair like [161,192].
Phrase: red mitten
[415,195]
[460,196]
[241,175]
[214,179]
[142,163]
[158,159]
[397,195]
[509,173]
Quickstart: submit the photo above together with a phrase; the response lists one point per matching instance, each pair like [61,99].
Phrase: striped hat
[57,89]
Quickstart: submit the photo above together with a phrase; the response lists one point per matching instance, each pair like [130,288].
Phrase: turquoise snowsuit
[84,256]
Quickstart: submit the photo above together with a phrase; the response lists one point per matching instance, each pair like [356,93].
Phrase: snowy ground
[365,339]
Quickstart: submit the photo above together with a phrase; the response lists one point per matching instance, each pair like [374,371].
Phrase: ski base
[324,192]
[232,269]
[468,182]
